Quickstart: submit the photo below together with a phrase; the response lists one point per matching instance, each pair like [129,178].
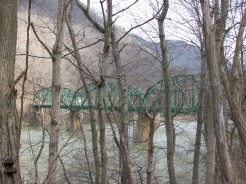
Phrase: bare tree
[167,90]
[126,173]
[10,125]
[233,82]
[109,33]
[56,55]
[211,144]
[93,119]
[213,38]
[151,148]
[56,87]
[101,85]
[233,79]
[203,110]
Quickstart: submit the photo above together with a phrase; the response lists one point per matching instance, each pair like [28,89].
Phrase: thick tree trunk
[212,55]
[56,87]
[211,145]
[235,89]
[233,81]
[9,121]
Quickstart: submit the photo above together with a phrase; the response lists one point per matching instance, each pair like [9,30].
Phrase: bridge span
[184,96]
[184,100]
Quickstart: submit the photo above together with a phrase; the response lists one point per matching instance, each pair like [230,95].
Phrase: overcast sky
[143,10]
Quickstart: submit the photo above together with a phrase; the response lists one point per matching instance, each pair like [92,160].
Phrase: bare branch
[81,48]
[18,78]
[64,170]
[111,124]
[89,17]
[38,155]
[88,6]
[140,25]
[34,56]
[134,27]
[40,41]
[163,14]
[239,43]
[126,8]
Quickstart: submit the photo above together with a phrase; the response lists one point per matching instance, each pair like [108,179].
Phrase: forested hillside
[142,68]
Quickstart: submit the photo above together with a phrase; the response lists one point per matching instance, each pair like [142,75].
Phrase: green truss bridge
[184,96]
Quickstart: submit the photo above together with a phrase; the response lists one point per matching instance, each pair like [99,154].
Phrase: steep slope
[140,67]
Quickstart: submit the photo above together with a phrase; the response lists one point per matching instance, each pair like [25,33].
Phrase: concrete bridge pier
[141,127]
[34,116]
[46,116]
[40,116]
[73,120]
[135,128]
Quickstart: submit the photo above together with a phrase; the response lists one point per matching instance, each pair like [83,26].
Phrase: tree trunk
[136,137]
[200,119]
[9,121]
[151,150]
[212,55]
[104,68]
[167,98]
[56,87]
[126,175]
[101,120]
[211,144]
[93,120]
[234,85]
[86,151]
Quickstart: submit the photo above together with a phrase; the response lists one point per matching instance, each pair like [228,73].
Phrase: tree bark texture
[234,85]
[151,150]
[167,98]
[212,56]
[93,119]
[104,158]
[104,68]
[126,175]
[56,87]
[211,144]
[200,119]
[9,121]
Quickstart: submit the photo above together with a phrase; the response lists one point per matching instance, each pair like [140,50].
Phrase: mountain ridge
[140,66]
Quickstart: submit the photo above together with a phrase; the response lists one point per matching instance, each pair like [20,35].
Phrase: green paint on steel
[110,90]
[43,98]
[184,90]
[80,100]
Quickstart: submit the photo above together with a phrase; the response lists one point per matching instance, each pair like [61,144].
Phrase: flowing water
[71,151]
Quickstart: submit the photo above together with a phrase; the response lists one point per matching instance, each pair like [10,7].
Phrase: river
[71,148]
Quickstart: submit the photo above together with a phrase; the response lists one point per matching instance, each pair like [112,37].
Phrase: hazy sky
[141,11]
